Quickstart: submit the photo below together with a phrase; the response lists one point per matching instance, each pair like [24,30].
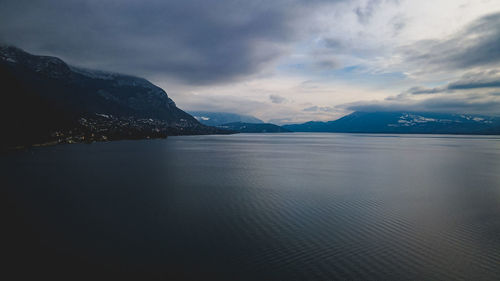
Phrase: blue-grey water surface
[258,207]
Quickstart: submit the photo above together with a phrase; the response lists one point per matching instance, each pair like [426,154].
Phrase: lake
[257,207]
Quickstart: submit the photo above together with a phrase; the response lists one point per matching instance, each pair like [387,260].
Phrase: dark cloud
[471,80]
[323,57]
[365,13]
[325,64]
[491,84]
[477,45]
[398,24]
[473,103]
[311,108]
[277,99]
[422,90]
[316,108]
[199,41]
[483,79]
[332,43]
[328,47]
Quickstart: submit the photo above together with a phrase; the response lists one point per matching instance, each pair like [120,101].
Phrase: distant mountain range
[404,123]
[46,100]
[219,118]
[253,127]
[236,122]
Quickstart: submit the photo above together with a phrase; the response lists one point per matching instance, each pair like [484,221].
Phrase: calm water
[258,206]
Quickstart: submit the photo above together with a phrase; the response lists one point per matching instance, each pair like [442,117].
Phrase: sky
[283,61]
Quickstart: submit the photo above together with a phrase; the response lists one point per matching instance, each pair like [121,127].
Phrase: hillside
[46,100]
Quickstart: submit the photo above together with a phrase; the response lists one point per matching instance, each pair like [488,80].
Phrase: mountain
[218,118]
[46,100]
[253,127]
[404,123]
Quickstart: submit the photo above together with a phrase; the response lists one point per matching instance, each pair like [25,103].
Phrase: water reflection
[272,207]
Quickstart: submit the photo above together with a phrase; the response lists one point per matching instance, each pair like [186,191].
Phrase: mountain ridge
[404,122]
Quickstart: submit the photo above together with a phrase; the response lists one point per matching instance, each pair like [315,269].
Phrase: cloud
[213,104]
[398,24]
[365,13]
[316,108]
[476,80]
[312,108]
[418,90]
[332,43]
[476,45]
[488,104]
[469,81]
[325,64]
[277,99]
[197,41]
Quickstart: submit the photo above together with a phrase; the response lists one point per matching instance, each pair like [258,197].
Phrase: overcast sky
[282,61]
